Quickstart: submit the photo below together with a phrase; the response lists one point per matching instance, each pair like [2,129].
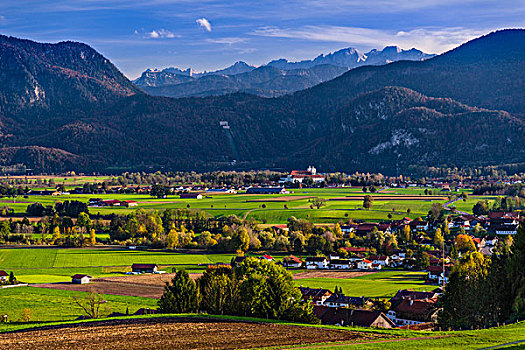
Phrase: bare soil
[177,333]
[152,285]
[329,274]
[147,285]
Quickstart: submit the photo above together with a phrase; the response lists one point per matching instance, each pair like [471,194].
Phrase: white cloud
[159,34]
[432,40]
[227,41]
[203,22]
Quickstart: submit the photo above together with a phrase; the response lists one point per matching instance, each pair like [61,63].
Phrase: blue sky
[210,34]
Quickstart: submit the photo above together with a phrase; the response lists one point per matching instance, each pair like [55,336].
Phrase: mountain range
[66,107]
[277,78]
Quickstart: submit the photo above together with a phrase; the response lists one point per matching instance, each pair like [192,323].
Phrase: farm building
[341,300]
[191,195]
[110,203]
[316,295]
[292,261]
[350,317]
[364,265]
[341,264]
[221,191]
[316,262]
[144,268]
[129,203]
[80,279]
[3,276]
[266,190]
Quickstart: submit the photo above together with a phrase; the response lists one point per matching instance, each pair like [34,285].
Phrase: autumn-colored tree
[464,243]
[368,202]
[438,238]
[92,237]
[172,240]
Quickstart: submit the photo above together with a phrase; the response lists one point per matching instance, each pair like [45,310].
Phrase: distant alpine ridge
[66,107]
[278,77]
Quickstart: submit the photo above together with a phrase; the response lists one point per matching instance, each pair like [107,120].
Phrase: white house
[364,265]
[80,279]
[292,261]
[341,264]
[382,260]
[316,262]
[299,175]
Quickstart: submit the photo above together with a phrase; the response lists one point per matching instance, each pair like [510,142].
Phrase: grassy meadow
[380,284]
[264,208]
[49,265]
[47,305]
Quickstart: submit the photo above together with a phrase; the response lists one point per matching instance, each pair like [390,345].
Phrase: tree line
[486,291]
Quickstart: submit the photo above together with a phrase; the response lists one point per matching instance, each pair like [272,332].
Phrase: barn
[144,268]
[80,279]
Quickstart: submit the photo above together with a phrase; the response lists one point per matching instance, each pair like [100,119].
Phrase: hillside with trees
[66,104]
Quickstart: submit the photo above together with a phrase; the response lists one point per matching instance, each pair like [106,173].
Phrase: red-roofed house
[3,276]
[413,312]
[364,265]
[292,261]
[351,317]
[299,176]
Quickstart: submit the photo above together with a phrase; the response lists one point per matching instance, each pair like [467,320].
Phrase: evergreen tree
[12,278]
[516,270]
[180,296]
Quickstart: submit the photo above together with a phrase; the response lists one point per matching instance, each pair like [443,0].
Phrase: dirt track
[176,333]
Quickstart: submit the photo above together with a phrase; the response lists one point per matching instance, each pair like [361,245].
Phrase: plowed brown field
[176,333]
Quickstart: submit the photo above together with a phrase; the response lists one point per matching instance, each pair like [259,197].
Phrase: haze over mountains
[64,106]
[278,77]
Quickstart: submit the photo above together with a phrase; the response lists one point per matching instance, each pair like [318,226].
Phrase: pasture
[47,265]
[341,204]
[380,284]
[46,305]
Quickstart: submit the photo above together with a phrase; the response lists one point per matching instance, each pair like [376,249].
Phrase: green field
[39,265]
[475,339]
[380,284]
[274,212]
[47,305]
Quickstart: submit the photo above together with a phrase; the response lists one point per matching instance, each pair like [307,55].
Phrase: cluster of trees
[67,208]
[253,288]
[57,230]
[483,291]
[192,228]
[499,204]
